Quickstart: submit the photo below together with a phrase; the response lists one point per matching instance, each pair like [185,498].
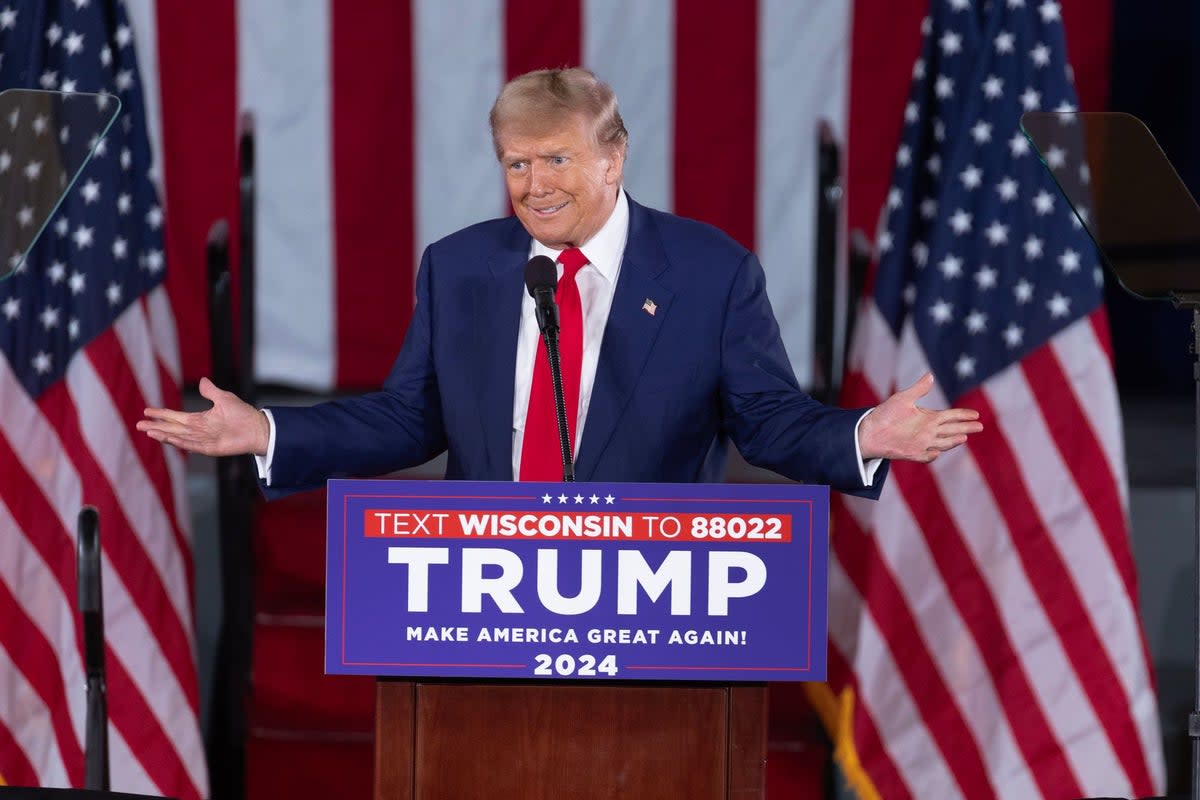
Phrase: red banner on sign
[568,525]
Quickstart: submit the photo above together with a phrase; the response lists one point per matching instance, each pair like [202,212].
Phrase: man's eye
[517,166]
[558,161]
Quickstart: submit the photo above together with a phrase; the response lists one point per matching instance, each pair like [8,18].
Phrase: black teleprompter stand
[1146,226]
[1192,301]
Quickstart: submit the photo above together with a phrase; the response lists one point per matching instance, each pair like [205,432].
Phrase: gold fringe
[837,713]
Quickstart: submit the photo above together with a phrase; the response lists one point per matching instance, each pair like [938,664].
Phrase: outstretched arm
[899,430]
[231,427]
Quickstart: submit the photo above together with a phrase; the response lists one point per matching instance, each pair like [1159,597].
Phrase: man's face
[563,186]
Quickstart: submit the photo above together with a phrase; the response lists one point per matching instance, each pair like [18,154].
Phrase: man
[669,344]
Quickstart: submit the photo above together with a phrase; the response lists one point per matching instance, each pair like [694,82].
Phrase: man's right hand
[231,427]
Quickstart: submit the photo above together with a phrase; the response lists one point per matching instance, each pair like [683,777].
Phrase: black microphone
[541,279]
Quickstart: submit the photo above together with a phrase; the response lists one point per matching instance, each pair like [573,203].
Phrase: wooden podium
[542,740]
[529,643]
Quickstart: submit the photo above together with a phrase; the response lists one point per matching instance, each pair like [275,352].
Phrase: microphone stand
[541,279]
[550,337]
[91,609]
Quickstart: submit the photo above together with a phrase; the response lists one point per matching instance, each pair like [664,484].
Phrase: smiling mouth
[546,212]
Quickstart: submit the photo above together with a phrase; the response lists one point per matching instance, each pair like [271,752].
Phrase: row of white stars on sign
[564,499]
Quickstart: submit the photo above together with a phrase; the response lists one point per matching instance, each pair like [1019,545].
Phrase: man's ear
[616,167]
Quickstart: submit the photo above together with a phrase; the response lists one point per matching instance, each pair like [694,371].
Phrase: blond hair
[537,102]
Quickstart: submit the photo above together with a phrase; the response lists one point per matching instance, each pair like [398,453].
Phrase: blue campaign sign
[633,581]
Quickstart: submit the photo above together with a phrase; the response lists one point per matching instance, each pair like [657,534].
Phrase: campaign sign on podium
[629,581]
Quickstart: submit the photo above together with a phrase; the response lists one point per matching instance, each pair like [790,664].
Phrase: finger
[957,428]
[167,414]
[148,425]
[929,456]
[169,428]
[190,444]
[209,390]
[919,389]
[949,443]
[957,414]
[173,442]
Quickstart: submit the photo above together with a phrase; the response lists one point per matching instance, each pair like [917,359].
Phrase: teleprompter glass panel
[1126,194]
[46,138]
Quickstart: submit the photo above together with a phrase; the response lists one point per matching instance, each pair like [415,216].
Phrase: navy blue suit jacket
[669,386]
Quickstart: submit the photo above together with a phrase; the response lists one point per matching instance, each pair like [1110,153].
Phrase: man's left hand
[898,429]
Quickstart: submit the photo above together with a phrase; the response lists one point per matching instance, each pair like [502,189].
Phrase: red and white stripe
[77,445]
[993,591]
[371,121]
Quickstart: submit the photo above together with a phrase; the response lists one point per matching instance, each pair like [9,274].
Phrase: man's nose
[539,183]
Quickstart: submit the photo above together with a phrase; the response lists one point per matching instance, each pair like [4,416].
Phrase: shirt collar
[605,249]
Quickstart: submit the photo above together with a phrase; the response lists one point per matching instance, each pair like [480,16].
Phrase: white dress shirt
[597,282]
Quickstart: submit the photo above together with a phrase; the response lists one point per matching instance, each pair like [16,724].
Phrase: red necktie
[541,456]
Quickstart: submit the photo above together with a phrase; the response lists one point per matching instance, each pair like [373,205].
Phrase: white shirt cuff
[264,462]
[866,469]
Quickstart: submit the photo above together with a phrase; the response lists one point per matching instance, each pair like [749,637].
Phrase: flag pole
[91,610]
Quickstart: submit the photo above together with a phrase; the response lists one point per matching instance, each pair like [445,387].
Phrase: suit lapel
[497,316]
[628,336]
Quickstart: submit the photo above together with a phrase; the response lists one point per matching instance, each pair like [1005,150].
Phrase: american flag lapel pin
[649,306]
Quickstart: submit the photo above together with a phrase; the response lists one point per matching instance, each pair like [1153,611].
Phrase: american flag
[984,624]
[371,123]
[88,340]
